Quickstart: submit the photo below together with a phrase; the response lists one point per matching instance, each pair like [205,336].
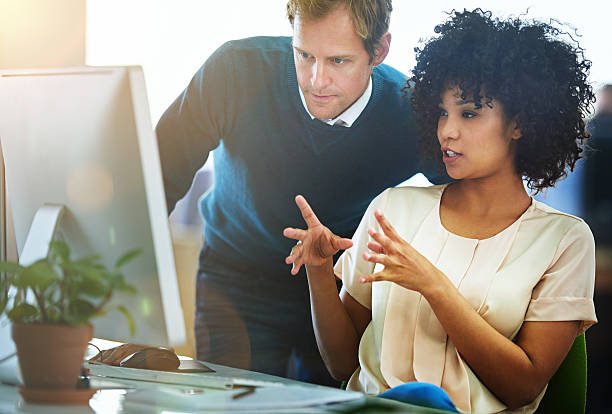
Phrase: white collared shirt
[351,114]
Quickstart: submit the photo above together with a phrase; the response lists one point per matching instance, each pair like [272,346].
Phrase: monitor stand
[36,247]
[42,230]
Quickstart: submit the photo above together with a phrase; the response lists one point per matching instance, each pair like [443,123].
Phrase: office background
[171,39]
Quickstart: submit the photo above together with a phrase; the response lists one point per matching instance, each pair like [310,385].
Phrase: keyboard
[200,379]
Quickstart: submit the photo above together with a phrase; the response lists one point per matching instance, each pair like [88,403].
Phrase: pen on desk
[249,390]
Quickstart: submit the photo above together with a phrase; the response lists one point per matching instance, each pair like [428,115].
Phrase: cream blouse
[540,268]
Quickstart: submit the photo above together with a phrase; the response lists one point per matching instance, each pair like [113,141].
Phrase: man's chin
[317,113]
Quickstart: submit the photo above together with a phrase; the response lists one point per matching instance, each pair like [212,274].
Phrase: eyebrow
[343,57]
[464,102]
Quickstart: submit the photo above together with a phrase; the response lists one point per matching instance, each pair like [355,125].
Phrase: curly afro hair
[539,78]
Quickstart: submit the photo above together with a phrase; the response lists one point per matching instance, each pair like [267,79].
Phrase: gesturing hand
[403,264]
[316,245]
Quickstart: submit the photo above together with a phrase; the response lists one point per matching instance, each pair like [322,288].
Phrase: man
[316,114]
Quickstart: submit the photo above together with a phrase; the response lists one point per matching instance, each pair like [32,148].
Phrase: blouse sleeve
[565,291]
[351,265]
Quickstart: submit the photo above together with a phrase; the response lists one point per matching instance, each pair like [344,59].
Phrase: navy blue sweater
[244,103]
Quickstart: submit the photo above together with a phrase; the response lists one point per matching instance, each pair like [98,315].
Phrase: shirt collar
[348,117]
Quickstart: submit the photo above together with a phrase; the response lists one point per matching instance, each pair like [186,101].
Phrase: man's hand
[316,245]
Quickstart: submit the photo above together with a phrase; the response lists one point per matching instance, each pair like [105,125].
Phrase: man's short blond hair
[370,17]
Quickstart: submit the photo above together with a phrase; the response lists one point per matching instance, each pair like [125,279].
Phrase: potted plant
[50,304]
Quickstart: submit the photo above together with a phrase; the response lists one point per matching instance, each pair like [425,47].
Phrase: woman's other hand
[403,264]
[316,245]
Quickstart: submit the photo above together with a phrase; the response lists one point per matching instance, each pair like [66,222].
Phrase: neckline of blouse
[499,234]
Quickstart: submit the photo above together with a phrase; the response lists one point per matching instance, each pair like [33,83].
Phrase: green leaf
[117,281]
[79,311]
[88,259]
[127,257]
[92,286]
[61,249]
[10,267]
[53,314]
[38,275]
[22,313]
[129,318]
[83,268]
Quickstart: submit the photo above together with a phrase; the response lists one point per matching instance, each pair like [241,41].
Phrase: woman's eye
[443,113]
[467,114]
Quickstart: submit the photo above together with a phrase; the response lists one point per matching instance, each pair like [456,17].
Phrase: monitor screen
[82,138]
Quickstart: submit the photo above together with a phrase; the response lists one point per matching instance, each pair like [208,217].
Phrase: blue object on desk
[421,393]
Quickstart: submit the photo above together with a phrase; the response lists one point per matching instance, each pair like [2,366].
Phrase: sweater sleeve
[194,124]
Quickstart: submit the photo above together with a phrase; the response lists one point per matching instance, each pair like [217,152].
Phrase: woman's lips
[450,158]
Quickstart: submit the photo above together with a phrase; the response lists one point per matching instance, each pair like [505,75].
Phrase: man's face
[332,65]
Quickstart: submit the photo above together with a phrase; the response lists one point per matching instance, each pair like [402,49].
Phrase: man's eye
[305,55]
[338,60]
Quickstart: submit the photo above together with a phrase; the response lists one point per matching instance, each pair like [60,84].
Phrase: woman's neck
[481,208]
[487,196]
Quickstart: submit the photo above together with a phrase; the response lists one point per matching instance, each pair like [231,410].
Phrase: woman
[472,286]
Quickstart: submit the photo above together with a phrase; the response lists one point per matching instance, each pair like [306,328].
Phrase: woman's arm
[515,372]
[338,320]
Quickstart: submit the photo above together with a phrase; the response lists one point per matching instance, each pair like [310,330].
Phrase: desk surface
[110,401]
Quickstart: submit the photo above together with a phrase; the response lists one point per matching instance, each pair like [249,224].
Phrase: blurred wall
[37,34]
[42,33]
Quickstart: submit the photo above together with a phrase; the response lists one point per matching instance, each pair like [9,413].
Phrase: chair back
[566,392]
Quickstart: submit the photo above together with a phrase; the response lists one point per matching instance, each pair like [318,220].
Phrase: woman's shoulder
[565,223]
[398,200]
[430,193]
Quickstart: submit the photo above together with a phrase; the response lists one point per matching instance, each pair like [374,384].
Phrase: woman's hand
[316,245]
[402,263]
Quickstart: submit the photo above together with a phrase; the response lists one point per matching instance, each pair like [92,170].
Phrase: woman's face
[476,143]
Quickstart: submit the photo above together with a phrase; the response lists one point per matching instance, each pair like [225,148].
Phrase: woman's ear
[516,132]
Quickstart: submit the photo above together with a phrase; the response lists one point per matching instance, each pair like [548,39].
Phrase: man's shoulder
[388,84]
[258,44]
[389,75]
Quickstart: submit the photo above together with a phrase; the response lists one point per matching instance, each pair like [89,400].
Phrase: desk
[109,401]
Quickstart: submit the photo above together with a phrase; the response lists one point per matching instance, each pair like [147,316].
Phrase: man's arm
[194,124]
[178,155]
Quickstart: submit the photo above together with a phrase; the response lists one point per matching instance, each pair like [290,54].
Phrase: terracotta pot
[50,355]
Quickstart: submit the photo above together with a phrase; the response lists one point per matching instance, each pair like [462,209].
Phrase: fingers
[376,258]
[375,277]
[381,239]
[340,243]
[376,247]
[309,216]
[385,225]
[295,234]
[294,258]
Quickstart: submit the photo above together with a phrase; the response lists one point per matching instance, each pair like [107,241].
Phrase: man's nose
[320,77]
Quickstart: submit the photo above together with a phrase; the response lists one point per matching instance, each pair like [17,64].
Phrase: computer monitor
[82,138]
